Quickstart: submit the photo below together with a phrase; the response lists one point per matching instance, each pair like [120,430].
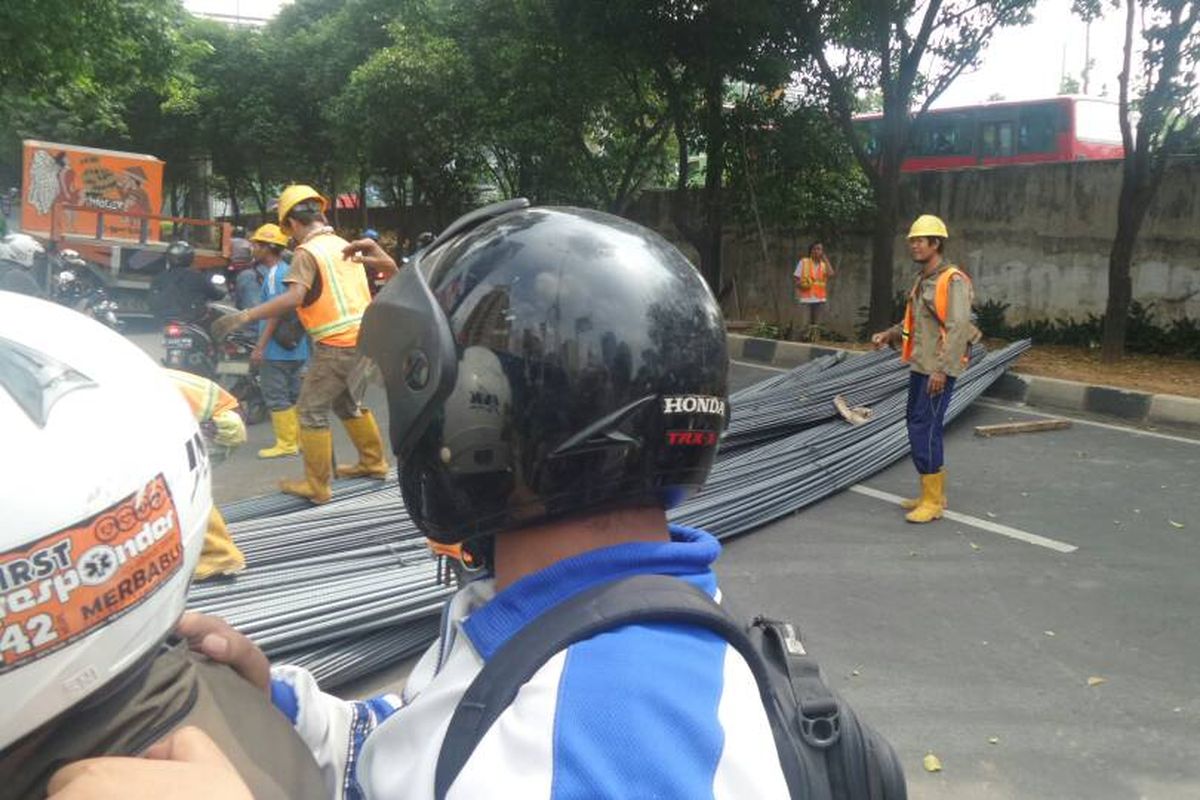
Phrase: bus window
[1097,121]
[1039,128]
[997,139]
[943,135]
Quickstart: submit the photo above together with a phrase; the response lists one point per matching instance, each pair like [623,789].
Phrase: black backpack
[825,752]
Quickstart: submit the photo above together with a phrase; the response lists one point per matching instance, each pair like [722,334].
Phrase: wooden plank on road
[1028,426]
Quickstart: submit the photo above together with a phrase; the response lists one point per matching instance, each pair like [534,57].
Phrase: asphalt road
[957,640]
[975,638]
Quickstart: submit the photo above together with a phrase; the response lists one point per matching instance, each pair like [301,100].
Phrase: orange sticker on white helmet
[68,584]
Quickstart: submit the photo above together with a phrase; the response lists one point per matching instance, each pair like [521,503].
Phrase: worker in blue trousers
[935,339]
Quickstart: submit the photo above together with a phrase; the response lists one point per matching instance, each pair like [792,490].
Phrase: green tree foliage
[1159,114]
[911,53]
[444,103]
[69,68]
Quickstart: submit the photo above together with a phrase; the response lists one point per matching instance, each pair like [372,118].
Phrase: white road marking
[1022,409]
[976,522]
[757,366]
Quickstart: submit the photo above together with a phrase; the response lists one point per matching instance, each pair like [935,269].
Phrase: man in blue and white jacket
[556,380]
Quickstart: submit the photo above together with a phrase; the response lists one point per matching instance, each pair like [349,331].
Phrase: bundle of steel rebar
[756,485]
[349,587]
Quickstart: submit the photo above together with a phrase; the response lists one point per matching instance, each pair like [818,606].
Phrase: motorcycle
[73,285]
[188,345]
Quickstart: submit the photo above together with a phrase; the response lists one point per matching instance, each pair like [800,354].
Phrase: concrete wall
[1036,237]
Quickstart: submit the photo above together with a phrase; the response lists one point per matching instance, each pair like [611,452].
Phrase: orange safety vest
[814,275]
[941,306]
[334,317]
[206,398]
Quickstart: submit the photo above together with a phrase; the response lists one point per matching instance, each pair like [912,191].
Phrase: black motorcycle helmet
[180,255]
[547,362]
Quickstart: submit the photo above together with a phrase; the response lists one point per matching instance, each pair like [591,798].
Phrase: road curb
[1125,405]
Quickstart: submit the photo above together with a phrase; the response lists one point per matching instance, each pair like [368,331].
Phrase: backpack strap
[640,599]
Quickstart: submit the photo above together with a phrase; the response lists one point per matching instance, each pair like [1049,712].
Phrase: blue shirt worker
[282,350]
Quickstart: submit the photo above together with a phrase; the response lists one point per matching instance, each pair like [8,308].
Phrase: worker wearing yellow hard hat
[935,339]
[282,351]
[270,233]
[329,292]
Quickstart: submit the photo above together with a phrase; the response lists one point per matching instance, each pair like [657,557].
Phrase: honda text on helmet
[104,510]
[546,362]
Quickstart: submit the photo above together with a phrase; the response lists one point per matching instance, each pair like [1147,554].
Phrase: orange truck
[105,205]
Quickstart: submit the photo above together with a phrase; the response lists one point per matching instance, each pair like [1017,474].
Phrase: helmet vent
[35,381]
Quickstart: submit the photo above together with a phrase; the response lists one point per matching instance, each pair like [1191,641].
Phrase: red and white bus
[1066,128]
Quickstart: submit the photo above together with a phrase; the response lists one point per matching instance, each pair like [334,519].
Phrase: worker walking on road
[282,349]
[329,293]
[935,339]
[215,410]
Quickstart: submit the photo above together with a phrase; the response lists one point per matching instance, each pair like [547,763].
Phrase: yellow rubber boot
[316,444]
[910,504]
[932,490]
[364,432]
[287,427]
[220,555]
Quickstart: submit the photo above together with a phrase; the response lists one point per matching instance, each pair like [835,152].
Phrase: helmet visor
[406,333]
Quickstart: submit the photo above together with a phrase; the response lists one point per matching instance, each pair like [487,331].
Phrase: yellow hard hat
[298,193]
[928,225]
[270,234]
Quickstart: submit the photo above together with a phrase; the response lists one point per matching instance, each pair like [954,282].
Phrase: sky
[1021,63]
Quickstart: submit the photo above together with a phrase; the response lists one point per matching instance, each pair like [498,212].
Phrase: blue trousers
[925,417]
[280,381]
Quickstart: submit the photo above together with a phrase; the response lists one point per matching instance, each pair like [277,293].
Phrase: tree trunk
[1131,212]
[362,199]
[714,171]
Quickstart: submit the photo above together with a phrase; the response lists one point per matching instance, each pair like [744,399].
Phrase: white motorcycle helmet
[105,491]
[20,248]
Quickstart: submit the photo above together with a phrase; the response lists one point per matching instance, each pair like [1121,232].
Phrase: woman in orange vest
[811,279]
[934,338]
[329,293]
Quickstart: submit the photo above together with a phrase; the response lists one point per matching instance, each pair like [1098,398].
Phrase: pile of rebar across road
[348,588]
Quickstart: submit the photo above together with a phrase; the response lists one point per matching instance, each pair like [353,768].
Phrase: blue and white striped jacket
[642,711]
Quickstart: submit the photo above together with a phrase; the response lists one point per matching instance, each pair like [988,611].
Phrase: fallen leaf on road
[1175,524]
[974,546]
[993,740]
[1096,681]
[990,515]
[932,763]
[1048,633]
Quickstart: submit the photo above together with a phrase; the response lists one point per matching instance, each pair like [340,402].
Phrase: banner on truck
[105,180]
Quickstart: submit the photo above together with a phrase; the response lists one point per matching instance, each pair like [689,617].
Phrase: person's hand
[186,764]
[881,340]
[256,356]
[937,382]
[221,642]
[228,324]
[370,253]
